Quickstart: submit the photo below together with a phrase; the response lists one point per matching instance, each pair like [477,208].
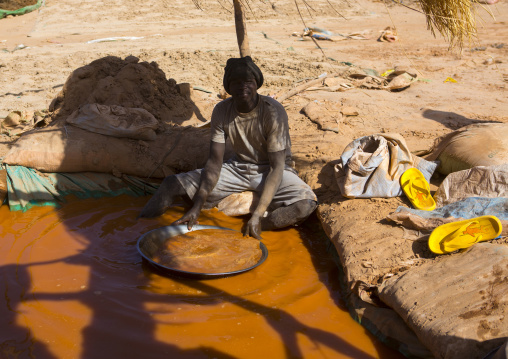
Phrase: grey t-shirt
[253,135]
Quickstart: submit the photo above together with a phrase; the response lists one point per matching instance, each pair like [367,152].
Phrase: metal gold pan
[150,242]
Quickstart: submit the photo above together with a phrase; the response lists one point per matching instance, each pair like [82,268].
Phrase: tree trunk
[241,30]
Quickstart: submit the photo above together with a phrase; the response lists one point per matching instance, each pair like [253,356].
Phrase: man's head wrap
[233,66]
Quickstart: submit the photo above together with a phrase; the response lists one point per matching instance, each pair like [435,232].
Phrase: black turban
[233,66]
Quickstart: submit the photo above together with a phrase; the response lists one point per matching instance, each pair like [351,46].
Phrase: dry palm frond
[454,19]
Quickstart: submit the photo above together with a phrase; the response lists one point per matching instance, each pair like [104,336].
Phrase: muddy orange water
[74,286]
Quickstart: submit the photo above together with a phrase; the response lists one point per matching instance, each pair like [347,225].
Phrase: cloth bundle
[371,166]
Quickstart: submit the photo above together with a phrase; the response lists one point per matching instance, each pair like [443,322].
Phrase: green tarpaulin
[23,10]
[27,187]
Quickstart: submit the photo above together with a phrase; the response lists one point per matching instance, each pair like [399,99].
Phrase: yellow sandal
[453,236]
[417,189]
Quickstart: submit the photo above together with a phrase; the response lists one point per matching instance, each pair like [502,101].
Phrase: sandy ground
[192,45]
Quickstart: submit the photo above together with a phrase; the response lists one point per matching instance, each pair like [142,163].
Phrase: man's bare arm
[271,185]
[209,177]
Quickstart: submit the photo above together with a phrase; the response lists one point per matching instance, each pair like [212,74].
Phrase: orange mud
[74,286]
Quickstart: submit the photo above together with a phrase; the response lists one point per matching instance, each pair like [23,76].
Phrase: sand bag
[117,121]
[369,249]
[388,327]
[457,305]
[483,144]
[383,322]
[482,181]
[71,149]
[371,166]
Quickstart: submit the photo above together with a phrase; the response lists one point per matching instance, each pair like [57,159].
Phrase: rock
[13,119]
[349,111]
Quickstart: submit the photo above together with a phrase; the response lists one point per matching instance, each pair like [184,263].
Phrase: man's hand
[272,183]
[253,228]
[191,218]
[209,178]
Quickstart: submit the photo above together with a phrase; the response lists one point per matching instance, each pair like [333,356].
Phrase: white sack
[371,166]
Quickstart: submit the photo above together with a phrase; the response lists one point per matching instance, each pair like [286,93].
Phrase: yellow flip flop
[452,236]
[417,189]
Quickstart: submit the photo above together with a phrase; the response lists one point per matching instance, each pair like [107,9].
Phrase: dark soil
[16,4]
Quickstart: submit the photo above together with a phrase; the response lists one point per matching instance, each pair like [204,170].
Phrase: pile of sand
[123,82]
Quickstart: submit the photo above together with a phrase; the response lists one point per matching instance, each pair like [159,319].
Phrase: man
[258,129]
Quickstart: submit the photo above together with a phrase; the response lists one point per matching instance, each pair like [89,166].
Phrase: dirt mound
[123,82]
